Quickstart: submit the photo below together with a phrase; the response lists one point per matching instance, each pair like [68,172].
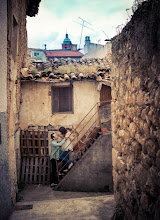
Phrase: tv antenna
[127,9]
[83,25]
[106,34]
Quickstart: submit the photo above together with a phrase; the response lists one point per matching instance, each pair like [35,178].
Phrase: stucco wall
[96,50]
[135,114]
[3,56]
[17,51]
[36,107]
[13,49]
[5,193]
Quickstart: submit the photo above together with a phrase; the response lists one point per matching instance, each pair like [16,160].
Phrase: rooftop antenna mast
[83,25]
[106,34]
[127,9]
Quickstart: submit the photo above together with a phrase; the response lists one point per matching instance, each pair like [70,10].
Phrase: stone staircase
[92,170]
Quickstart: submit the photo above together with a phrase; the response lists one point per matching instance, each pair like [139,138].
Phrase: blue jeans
[63,155]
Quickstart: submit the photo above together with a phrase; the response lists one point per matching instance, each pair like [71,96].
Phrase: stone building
[76,95]
[135,114]
[37,55]
[62,97]
[13,50]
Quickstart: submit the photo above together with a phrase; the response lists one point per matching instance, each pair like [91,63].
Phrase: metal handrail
[73,147]
[78,133]
[75,130]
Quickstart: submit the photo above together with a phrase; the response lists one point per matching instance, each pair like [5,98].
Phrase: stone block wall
[136,114]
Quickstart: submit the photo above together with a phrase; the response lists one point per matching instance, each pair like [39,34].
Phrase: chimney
[87,40]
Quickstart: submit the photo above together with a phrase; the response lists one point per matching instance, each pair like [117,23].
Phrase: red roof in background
[62,53]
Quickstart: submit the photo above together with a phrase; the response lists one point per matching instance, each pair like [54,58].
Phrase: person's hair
[52,135]
[63,130]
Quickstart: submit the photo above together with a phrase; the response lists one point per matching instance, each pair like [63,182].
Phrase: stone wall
[135,114]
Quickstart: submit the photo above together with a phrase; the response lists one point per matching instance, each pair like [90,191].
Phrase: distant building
[93,50]
[37,55]
[51,54]
[68,50]
[67,44]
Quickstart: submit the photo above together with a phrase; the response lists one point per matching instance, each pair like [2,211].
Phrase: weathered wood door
[105,94]
[35,160]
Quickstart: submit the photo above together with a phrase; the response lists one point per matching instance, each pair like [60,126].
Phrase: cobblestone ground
[41,202]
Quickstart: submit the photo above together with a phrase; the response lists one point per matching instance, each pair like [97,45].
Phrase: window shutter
[70,98]
[65,97]
[55,99]
[62,99]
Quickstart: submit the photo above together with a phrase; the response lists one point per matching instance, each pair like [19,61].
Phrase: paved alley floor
[42,203]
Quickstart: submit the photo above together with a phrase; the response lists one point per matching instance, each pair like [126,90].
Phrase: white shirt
[68,145]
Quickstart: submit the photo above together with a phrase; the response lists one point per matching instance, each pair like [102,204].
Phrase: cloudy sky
[56,17]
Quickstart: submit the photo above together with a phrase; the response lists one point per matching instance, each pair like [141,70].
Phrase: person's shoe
[70,165]
[65,171]
[53,184]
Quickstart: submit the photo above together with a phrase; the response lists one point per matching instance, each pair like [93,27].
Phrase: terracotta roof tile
[71,70]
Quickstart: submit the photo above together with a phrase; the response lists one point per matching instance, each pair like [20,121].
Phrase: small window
[62,99]
[36,54]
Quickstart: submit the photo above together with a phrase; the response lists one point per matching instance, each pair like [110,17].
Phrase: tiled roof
[62,53]
[70,69]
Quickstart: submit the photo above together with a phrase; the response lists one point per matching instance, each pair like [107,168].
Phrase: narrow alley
[41,202]
[79,110]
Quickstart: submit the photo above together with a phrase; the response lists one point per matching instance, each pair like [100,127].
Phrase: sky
[56,17]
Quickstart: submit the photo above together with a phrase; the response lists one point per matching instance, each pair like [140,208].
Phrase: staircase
[92,140]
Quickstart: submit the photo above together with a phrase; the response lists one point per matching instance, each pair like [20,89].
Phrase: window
[36,54]
[62,99]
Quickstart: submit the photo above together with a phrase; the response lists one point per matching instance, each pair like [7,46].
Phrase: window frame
[52,99]
[36,54]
